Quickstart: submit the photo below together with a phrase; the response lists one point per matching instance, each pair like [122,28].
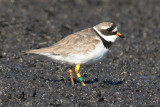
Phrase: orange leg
[71,76]
[78,74]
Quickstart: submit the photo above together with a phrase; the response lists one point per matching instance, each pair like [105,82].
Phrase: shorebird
[82,48]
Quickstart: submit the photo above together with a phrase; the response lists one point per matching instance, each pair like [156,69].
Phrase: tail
[38,51]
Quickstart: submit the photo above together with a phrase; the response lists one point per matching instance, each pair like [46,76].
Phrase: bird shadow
[107,82]
[113,82]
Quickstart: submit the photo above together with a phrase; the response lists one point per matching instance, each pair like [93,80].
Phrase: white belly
[88,58]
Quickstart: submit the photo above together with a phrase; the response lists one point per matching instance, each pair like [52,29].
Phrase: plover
[82,48]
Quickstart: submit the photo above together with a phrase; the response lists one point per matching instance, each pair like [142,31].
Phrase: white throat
[110,38]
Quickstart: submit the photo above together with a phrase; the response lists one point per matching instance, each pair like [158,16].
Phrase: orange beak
[119,35]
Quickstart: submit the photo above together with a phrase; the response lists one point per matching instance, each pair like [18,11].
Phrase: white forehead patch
[115,29]
[105,27]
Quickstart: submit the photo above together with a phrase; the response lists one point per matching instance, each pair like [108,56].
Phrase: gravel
[128,76]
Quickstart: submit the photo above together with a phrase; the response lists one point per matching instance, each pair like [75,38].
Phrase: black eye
[110,29]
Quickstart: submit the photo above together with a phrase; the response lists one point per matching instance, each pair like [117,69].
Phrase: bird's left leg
[78,74]
[71,76]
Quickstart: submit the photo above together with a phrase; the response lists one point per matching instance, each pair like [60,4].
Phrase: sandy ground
[128,76]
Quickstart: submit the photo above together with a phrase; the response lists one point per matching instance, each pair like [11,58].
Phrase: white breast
[88,58]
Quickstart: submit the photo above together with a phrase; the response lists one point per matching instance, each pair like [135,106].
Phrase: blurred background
[128,76]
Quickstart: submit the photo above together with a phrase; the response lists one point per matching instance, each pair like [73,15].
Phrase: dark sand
[128,76]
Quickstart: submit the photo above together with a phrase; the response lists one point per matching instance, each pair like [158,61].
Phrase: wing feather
[77,43]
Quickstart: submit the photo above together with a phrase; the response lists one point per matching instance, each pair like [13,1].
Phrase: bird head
[108,31]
